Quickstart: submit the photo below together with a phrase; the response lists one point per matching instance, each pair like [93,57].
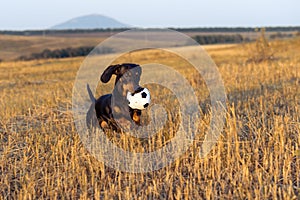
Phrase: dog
[112,109]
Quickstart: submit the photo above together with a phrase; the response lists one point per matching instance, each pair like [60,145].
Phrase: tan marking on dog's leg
[136,118]
[104,124]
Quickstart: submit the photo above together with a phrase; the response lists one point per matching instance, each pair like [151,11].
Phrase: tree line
[220,39]
[238,29]
[66,53]
[236,38]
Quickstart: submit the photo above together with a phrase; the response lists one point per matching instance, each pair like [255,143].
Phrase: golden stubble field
[256,157]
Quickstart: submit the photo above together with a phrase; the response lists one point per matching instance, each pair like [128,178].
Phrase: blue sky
[40,14]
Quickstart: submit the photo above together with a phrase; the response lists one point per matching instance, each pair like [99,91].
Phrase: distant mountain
[90,22]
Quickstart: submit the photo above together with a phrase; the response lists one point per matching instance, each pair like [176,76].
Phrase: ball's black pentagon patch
[144,95]
[146,105]
[139,90]
[128,102]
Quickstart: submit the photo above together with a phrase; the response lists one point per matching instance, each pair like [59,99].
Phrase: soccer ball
[140,99]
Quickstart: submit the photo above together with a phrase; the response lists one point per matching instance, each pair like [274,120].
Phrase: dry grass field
[256,157]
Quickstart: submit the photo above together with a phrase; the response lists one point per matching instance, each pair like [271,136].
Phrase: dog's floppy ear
[108,72]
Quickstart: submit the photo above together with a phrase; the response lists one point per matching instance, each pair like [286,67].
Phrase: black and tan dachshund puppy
[113,108]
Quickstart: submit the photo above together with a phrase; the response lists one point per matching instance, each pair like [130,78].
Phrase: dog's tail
[92,98]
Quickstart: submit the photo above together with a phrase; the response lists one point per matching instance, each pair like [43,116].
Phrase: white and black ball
[140,99]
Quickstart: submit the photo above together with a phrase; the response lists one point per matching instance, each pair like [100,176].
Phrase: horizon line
[152,27]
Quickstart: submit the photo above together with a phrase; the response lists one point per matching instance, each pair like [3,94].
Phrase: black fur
[127,80]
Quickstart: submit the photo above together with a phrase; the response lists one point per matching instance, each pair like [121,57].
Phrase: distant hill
[90,22]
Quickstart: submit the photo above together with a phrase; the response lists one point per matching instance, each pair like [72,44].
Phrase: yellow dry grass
[256,157]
